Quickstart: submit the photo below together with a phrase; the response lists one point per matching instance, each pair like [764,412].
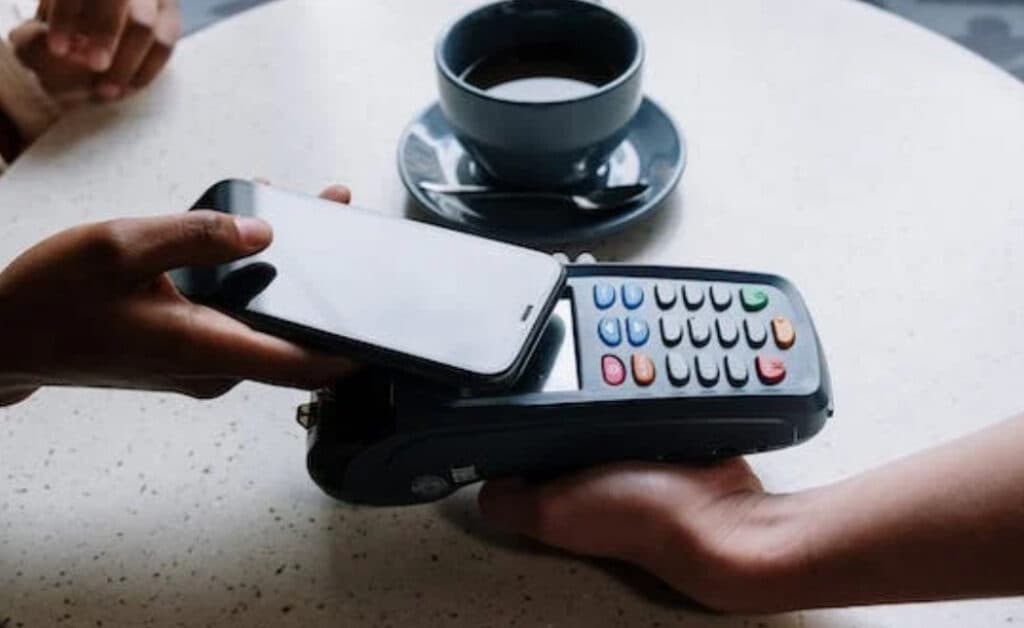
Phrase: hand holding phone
[398,293]
[92,306]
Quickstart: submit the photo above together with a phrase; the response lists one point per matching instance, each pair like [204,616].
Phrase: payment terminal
[642,363]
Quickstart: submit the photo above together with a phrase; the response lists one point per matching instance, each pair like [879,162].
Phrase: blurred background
[992,28]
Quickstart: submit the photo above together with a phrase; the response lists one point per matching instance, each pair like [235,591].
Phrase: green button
[754,299]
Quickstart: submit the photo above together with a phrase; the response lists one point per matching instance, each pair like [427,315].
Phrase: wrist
[777,555]
[759,561]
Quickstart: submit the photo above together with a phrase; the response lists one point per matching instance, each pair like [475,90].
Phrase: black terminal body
[636,363]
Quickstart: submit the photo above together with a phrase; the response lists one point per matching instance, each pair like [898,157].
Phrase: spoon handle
[605,198]
[488,192]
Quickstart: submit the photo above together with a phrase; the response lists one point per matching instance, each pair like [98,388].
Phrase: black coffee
[542,72]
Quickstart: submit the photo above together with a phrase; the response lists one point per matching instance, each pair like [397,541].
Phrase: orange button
[770,371]
[643,369]
[783,331]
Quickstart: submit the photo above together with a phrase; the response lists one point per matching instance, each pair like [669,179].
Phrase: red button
[613,369]
[643,369]
[771,371]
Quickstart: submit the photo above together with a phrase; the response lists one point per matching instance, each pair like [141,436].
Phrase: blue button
[638,331]
[632,295]
[604,295]
[610,331]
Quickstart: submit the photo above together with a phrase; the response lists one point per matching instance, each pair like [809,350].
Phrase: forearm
[944,524]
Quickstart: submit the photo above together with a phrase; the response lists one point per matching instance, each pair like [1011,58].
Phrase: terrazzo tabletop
[875,164]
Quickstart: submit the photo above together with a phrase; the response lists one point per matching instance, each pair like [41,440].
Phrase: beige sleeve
[23,98]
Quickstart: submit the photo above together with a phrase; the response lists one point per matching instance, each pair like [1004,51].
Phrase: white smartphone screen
[407,288]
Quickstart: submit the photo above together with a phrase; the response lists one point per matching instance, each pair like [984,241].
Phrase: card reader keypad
[684,337]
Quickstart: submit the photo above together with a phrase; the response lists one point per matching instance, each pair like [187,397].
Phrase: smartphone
[442,304]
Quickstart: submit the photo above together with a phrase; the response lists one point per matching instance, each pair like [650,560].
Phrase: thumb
[618,510]
[27,33]
[150,246]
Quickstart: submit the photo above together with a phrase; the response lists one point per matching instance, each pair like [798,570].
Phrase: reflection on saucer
[653,152]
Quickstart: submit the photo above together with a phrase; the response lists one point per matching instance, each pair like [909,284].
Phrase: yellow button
[783,332]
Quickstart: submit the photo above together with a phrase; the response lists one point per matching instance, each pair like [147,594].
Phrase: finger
[27,34]
[62,17]
[156,58]
[62,79]
[171,19]
[142,248]
[195,387]
[98,27]
[168,24]
[10,397]
[131,52]
[337,193]
[166,32]
[212,344]
[206,388]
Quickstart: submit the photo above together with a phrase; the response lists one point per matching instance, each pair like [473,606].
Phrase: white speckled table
[874,163]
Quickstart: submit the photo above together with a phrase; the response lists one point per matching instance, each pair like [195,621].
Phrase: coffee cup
[540,92]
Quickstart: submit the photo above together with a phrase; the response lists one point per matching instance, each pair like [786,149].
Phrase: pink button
[613,369]
[770,370]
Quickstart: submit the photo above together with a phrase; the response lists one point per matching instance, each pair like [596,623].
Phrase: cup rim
[623,77]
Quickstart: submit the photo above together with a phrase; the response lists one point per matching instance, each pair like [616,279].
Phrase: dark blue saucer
[654,152]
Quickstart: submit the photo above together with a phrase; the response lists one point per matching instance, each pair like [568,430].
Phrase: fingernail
[253,232]
[144,13]
[59,44]
[99,59]
[109,91]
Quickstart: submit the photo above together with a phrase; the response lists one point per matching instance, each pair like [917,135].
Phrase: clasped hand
[82,50]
